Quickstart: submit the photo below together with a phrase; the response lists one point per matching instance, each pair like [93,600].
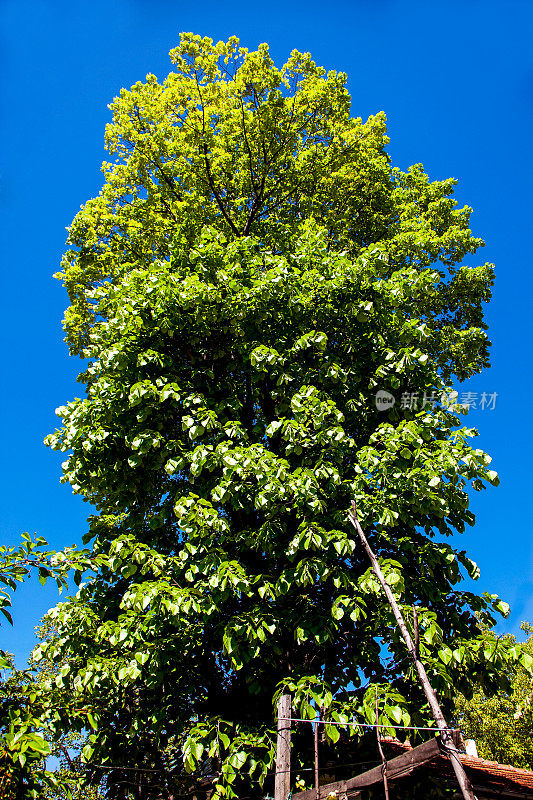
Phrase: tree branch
[431,697]
[210,179]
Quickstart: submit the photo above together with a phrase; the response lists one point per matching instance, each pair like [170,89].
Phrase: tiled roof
[520,777]
[487,770]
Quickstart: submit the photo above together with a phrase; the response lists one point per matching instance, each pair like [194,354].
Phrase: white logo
[384,400]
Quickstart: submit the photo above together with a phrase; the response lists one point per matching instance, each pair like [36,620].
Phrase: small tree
[501,721]
[252,276]
[24,718]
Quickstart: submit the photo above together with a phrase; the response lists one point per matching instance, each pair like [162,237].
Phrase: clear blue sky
[455,78]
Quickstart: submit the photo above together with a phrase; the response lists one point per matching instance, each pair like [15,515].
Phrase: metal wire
[366,725]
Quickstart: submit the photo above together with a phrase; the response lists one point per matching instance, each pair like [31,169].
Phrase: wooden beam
[396,767]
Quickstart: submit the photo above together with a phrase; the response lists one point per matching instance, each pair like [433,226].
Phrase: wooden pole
[381,753]
[438,716]
[317,783]
[282,783]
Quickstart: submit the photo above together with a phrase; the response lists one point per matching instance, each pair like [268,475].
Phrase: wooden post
[317,781]
[381,753]
[438,716]
[282,784]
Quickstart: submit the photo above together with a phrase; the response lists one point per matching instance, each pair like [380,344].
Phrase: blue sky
[456,82]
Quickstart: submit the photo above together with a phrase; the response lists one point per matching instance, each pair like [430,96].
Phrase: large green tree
[253,272]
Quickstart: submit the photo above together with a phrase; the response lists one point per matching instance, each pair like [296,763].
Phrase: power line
[284,719]
[106,767]
[366,725]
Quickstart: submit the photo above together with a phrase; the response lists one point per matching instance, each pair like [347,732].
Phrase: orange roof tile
[522,777]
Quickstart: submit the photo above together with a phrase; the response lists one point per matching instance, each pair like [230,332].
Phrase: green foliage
[23,718]
[24,748]
[16,564]
[65,746]
[497,713]
[253,271]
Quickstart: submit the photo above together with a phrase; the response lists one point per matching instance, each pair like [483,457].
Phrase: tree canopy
[253,272]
